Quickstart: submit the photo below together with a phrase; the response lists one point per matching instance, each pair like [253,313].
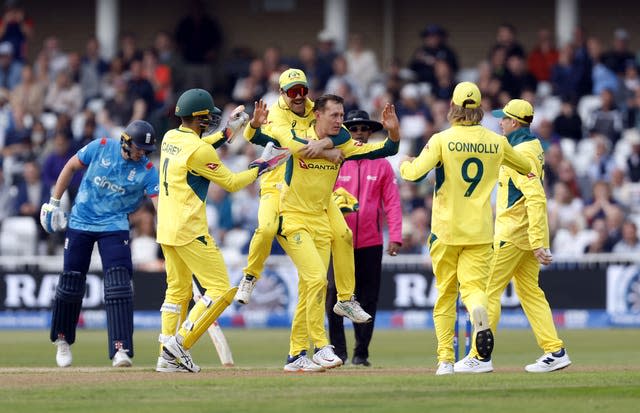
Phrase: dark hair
[321,102]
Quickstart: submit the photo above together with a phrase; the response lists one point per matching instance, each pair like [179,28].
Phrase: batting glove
[52,218]
[236,123]
[271,158]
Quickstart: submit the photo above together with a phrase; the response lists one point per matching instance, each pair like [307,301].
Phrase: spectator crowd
[586,96]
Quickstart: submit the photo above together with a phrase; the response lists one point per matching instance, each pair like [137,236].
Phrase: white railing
[55,262]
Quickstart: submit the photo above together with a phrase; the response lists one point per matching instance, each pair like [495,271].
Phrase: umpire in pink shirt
[373,183]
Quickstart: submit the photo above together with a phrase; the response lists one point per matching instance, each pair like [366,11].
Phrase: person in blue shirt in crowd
[117,178]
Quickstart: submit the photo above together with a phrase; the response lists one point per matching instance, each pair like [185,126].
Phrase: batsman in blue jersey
[118,176]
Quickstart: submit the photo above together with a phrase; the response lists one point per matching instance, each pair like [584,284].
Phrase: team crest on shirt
[297,239]
[132,175]
[213,166]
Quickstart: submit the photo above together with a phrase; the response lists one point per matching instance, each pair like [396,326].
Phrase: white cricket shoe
[302,363]
[245,288]
[63,355]
[170,366]
[122,359]
[482,330]
[550,362]
[473,365]
[444,368]
[352,310]
[326,357]
[173,349]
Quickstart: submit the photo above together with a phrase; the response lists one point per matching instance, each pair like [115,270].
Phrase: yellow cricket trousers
[467,266]
[307,241]
[202,258]
[511,262]
[341,246]
[344,267]
[260,245]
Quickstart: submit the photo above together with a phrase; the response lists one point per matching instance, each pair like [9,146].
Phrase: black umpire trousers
[368,263]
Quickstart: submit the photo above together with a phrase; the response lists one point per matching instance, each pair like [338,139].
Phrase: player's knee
[318,280]
[528,293]
[266,231]
[343,236]
[71,286]
[179,290]
[117,284]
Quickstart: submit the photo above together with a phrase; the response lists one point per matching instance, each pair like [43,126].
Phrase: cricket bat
[222,347]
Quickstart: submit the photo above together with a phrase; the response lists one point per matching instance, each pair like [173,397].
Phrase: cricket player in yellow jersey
[304,228]
[467,158]
[294,111]
[521,244]
[187,165]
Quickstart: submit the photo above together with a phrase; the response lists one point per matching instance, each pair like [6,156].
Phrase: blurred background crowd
[586,96]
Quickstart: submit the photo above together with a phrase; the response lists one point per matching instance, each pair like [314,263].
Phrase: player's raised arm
[391,122]
[278,136]
[254,131]
[235,126]
[419,167]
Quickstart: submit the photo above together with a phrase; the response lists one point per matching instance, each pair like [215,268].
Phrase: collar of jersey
[520,135]
[182,128]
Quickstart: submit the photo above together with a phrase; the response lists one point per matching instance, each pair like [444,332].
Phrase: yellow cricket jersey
[309,182]
[187,164]
[281,121]
[467,161]
[521,206]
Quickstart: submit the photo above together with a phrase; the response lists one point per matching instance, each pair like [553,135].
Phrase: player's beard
[297,106]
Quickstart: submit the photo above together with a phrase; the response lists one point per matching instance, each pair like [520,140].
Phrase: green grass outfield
[604,377]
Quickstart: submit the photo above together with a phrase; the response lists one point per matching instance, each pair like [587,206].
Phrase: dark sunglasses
[359,128]
[295,91]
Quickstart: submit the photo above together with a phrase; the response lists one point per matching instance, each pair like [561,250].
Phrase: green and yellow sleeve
[206,163]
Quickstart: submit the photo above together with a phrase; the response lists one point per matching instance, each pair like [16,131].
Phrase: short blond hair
[466,116]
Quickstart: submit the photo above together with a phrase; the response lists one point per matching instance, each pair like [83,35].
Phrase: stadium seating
[19,236]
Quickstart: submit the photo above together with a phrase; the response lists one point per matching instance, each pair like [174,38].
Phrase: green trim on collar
[520,135]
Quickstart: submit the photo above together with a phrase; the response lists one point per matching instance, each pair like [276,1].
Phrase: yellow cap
[467,95]
[517,109]
[292,77]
